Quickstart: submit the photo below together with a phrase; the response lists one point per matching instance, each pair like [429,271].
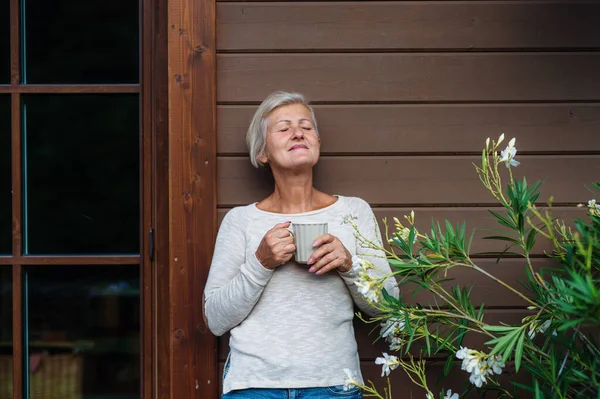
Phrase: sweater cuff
[256,271]
[353,272]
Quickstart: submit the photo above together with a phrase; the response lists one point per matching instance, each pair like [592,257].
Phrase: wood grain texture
[192,199]
[411,77]
[407,25]
[425,128]
[162,364]
[413,180]
[477,220]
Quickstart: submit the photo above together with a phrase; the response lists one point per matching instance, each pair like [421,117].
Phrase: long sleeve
[369,228]
[235,282]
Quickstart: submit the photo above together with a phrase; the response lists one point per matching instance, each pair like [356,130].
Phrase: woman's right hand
[277,246]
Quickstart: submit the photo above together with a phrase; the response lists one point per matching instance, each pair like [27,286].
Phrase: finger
[323,239]
[283,225]
[281,233]
[319,253]
[325,260]
[284,248]
[330,266]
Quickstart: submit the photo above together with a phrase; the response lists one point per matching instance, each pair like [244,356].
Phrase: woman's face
[292,141]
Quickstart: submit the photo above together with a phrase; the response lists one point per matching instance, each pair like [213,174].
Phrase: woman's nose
[298,132]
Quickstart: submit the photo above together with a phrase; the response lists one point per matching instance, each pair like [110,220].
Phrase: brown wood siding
[433,129]
[405,95]
[418,77]
[375,25]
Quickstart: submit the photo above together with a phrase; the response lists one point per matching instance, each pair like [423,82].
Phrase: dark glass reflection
[5,177]
[6,323]
[81,174]
[83,325]
[4,42]
[75,41]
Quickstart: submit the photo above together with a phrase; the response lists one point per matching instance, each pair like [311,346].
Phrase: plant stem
[505,285]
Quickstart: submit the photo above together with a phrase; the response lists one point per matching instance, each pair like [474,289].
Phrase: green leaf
[502,220]
[400,265]
[519,350]
[500,328]
[530,242]
[502,238]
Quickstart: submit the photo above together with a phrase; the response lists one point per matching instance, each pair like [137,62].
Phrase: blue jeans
[296,393]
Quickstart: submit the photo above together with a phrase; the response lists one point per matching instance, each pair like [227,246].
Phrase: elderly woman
[290,323]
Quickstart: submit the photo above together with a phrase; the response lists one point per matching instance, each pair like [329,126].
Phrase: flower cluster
[537,328]
[392,330]
[403,232]
[480,365]
[593,207]
[370,287]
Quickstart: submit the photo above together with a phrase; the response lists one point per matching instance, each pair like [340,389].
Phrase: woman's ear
[263,159]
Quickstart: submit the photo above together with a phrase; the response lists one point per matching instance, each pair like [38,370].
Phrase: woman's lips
[298,147]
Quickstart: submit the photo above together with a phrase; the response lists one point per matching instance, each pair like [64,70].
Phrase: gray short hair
[257,131]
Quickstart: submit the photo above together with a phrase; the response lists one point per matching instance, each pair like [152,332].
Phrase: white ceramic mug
[304,235]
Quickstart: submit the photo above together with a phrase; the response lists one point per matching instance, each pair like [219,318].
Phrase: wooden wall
[406,94]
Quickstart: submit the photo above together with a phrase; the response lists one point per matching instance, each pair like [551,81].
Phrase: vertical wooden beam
[148,337]
[17,339]
[192,178]
[161,301]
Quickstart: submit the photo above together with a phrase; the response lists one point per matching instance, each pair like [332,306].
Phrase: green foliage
[554,345]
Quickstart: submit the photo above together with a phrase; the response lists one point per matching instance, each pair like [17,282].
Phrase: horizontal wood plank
[407,25]
[476,219]
[425,128]
[411,77]
[412,180]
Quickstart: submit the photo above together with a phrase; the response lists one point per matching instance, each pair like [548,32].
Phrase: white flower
[508,154]
[396,343]
[388,363]
[463,352]
[350,379]
[349,219]
[534,328]
[369,289]
[450,395]
[477,379]
[495,364]
[429,395]
[479,364]
[392,326]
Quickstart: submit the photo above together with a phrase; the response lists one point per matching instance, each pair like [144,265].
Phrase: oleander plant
[553,352]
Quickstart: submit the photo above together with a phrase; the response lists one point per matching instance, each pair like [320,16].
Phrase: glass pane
[5,178]
[5,42]
[83,329]
[74,41]
[81,174]
[5,332]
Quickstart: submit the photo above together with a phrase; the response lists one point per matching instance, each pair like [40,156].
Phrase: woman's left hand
[330,254]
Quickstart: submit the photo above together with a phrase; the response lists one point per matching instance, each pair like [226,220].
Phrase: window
[71,189]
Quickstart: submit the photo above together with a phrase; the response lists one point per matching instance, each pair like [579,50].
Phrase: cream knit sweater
[289,328]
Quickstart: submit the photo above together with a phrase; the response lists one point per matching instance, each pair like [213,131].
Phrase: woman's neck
[295,194]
